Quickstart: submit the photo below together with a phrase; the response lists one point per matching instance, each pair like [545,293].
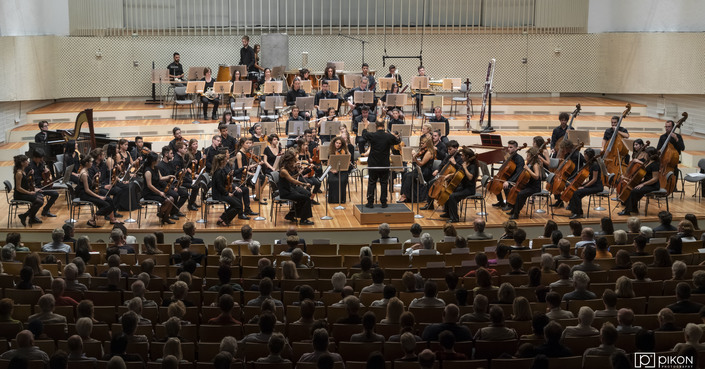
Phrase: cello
[437,187]
[570,124]
[616,150]
[669,159]
[505,171]
[524,176]
[632,177]
[578,181]
[558,182]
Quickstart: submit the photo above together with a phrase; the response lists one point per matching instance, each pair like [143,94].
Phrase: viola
[46,178]
[316,159]
[524,177]
[669,159]
[30,180]
[615,150]
[505,171]
[558,183]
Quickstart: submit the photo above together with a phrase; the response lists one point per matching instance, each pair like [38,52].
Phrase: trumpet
[210,94]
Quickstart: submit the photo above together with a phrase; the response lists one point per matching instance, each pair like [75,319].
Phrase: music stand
[397,100]
[420,83]
[272,87]
[222,88]
[195,87]
[268,128]
[403,129]
[305,103]
[419,182]
[337,65]
[575,135]
[439,126]
[386,83]
[431,102]
[258,148]
[242,88]
[195,73]
[234,130]
[406,153]
[306,86]
[341,163]
[325,104]
[351,80]
[363,97]
[297,127]
[241,68]
[278,71]
[329,129]
[334,85]
[491,140]
[160,76]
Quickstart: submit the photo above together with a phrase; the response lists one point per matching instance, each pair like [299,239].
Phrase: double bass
[634,175]
[669,159]
[560,178]
[570,124]
[505,172]
[524,176]
[616,150]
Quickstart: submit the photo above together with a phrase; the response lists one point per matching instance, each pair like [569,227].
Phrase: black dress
[37,200]
[409,180]
[220,193]
[299,195]
[270,157]
[339,183]
[465,188]
[104,207]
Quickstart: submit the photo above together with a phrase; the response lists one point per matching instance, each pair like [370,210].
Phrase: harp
[86,141]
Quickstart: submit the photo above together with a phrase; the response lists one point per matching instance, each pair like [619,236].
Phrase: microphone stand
[340,199]
[129,202]
[419,178]
[357,39]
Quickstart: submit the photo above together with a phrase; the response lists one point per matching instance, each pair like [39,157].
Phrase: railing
[327,17]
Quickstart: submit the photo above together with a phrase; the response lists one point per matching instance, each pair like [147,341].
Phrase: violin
[96,182]
[316,159]
[46,178]
[419,155]
[398,147]
[30,179]
[669,159]
[505,171]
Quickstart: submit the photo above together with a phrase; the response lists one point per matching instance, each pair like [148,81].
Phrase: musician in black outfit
[176,131]
[305,158]
[294,117]
[176,70]
[338,182]
[153,188]
[439,118]
[85,190]
[452,155]
[167,171]
[220,191]
[675,138]
[292,189]
[325,93]
[137,151]
[247,54]
[534,186]
[182,161]
[36,165]
[211,151]
[372,84]
[568,152]
[210,81]
[393,74]
[357,108]
[468,165]
[361,119]
[72,157]
[441,149]
[395,118]
[512,147]
[24,192]
[227,141]
[294,92]
[559,132]
[241,168]
[100,168]
[609,131]
[43,136]
[649,183]
[591,186]
[381,143]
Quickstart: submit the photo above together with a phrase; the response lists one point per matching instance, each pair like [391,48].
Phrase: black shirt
[519,162]
[442,119]
[247,57]
[441,150]
[380,144]
[208,84]
[610,131]
[41,137]
[394,121]
[469,183]
[166,169]
[210,154]
[230,142]
[650,169]
[595,167]
[677,143]
[325,95]
[292,94]
[558,133]
[175,69]
[38,170]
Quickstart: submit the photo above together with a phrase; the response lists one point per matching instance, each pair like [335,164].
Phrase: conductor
[380,143]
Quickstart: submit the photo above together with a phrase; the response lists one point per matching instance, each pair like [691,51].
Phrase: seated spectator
[407,325]
[223,360]
[547,264]
[129,321]
[365,266]
[429,299]
[447,351]
[409,280]
[502,252]
[135,305]
[478,226]
[692,335]
[377,282]
[71,275]
[179,292]
[46,316]
[225,276]
[57,289]
[584,327]
[246,234]
[150,245]
[84,329]
[178,309]
[608,337]
[384,232]
[427,359]
[516,262]
[553,346]
[564,248]
[57,242]
[395,308]
[8,254]
[408,346]
[553,304]
[563,271]
[555,236]
[116,362]
[497,331]
[347,291]
[506,293]
[138,291]
[667,321]
[388,292]
[226,305]
[665,218]
[581,281]
[275,345]
[265,292]
[114,277]
[521,309]
[519,237]
[297,257]
[368,330]
[625,319]
[320,341]
[449,322]
[674,245]
[646,231]
[451,281]
[587,238]
[75,345]
[481,261]
[622,260]
[27,280]
[639,270]
[227,257]
[338,281]
[85,308]
[254,247]
[662,258]
[620,237]
[640,242]
[609,299]
[588,264]
[685,231]
[633,224]
[307,310]
[538,323]
[266,324]
[307,292]
[479,311]
[698,282]
[118,238]
[684,305]
[678,270]
[118,347]
[484,282]
[6,307]
[602,249]
[25,349]
[14,239]
[352,307]
[424,247]
[172,328]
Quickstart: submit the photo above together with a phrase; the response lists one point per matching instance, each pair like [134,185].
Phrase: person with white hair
[678,270]
[338,281]
[254,247]
[138,291]
[692,333]
[646,231]
[584,328]
[135,305]
[581,281]
[384,231]
[71,275]
[426,244]
[46,304]
[57,242]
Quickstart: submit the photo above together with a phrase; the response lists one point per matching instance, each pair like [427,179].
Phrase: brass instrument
[210,94]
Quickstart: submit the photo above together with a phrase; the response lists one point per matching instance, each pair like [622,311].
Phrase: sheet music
[256,175]
[325,174]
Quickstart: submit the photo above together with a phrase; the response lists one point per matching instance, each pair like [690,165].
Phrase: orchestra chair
[657,195]
[543,194]
[206,200]
[524,363]
[242,105]
[605,194]
[477,197]
[460,100]
[698,178]
[181,98]
[14,204]
[277,201]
